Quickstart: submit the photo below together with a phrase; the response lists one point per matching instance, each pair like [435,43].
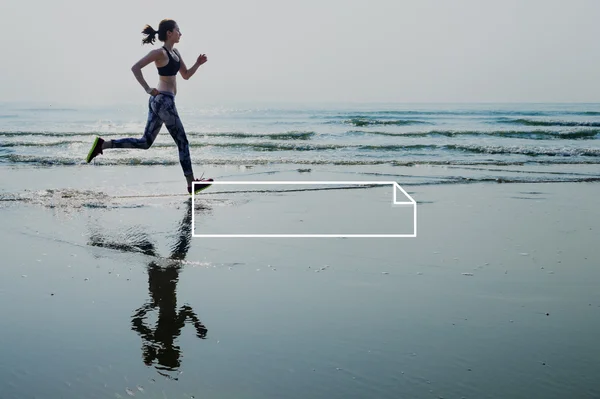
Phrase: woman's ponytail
[150,35]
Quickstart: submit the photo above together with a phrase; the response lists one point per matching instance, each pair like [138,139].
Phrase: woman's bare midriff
[167,83]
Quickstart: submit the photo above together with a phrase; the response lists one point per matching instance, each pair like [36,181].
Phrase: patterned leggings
[161,110]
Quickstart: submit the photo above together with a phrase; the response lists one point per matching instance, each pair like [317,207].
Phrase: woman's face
[175,34]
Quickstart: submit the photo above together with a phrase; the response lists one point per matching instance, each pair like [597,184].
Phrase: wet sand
[103,293]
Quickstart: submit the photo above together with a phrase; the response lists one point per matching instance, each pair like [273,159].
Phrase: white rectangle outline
[304,182]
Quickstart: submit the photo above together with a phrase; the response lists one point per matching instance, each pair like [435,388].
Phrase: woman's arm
[137,68]
[188,73]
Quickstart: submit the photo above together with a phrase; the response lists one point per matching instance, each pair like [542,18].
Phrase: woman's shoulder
[157,52]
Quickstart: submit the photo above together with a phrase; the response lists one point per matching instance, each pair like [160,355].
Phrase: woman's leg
[168,114]
[153,126]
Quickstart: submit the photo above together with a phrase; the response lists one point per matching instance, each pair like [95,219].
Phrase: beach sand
[104,293]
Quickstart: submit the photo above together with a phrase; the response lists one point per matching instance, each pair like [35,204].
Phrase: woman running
[161,105]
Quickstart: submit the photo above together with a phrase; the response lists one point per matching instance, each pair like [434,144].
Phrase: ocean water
[105,294]
[504,142]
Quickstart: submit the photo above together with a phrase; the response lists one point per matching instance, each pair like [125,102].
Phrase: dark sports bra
[171,68]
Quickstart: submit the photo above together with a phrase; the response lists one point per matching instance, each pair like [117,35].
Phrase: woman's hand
[201,59]
[153,92]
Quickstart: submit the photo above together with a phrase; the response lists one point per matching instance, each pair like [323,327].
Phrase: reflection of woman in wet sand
[159,340]
[159,343]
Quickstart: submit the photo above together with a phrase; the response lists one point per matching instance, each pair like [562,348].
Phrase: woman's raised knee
[146,145]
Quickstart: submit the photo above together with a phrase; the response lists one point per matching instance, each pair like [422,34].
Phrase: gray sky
[81,51]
